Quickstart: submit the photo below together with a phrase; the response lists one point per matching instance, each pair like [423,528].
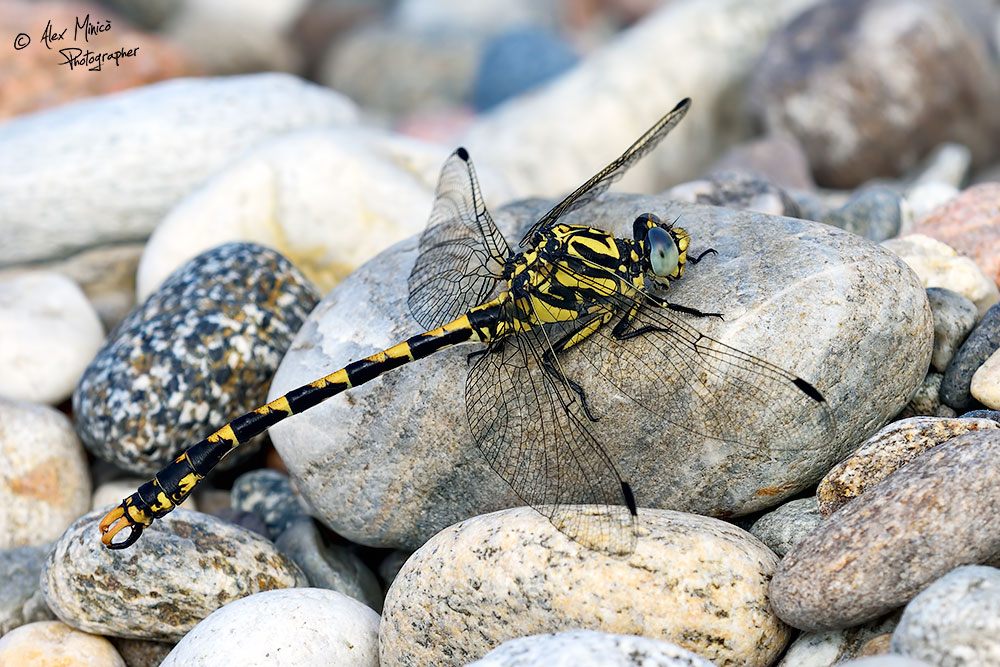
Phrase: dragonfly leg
[695,260]
[689,311]
[547,364]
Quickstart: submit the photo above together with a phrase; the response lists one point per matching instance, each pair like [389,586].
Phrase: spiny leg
[568,341]
[695,260]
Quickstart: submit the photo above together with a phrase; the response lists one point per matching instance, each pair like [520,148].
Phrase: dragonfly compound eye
[663,253]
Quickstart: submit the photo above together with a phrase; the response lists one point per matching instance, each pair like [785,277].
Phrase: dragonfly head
[663,247]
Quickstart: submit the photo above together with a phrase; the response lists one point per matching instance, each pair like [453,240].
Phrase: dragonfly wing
[701,386]
[603,179]
[530,427]
[462,252]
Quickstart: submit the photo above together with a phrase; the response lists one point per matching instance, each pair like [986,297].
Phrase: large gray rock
[392,462]
[21,600]
[939,511]
[132,155]
[696,582]
[186,565]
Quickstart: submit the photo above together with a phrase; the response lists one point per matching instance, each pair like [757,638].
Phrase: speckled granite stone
[586,648]
[199,352]
[937,512]
[885,452]
[186,565]
[697,582]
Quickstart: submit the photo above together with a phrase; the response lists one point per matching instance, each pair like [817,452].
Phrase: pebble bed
[226,237]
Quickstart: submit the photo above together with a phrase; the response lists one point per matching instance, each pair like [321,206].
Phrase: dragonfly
[568,287]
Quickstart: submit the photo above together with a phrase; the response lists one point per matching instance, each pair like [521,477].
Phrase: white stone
[294,626]
[986,382]
[55,644]
[586,648]
[108,168]
[49,332]
[326,199]
[939,265]
[926,197]
[44,479]
[511,573]
[548,142]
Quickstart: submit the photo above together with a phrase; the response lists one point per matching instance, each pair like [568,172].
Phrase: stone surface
[516,61]
[21,600]
[141,652]
[815,81]
[955,620]
[886,452]
[697,582]
[330,566]
[195,355]
[119,191]
[954,317]
[789,524]
[572,136]
[397,450]
[925,197]
[37,78]
[298,626]
[586,648]
[736,190]
[778,159]
[948,164]
[982,342]
[985,385]
[969,223]
[185,566]
[938,265]
[44,481]
[834,647]
[885,661]
[268,494]
[876,553]
[872,212]
[327,199]
[49,332]
[926,401]
[55,644]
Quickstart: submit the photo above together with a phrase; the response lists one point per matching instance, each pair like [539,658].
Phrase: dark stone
[268,494]
[871,212]
[516,61]
[983,341]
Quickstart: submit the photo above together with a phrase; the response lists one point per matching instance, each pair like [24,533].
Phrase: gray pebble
[141,652]
[185,566]
[243,519]
[21,600]
[268,494]
[328,566]
[885,661]
[872,212]
[954,621]
[739,190]
[982,414]
[983,341]
[391,564]
[926,401]
[199,352]
[789,524]
[822,649]
[954,317]
[939,511]
[587,648]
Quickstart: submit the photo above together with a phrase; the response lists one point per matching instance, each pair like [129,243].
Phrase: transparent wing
[532,430]
[462,252]
[697,384]
[603,179]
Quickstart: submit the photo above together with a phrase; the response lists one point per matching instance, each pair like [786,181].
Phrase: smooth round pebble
[268,494]
[886,452]
[982,414]
[398,452]
[981,342]
[834,647]
[737,190]
[985,385]
[694,581]
[954,621]
[586,648]
[517,60]
[925,197]
[787,525]
[55,644]
[185,566]
[872,212]
[198,353]
[948,164]
[938,265]
[329,566]
[44,480]
[21,599]
[297,626]
[877,552]
[49,332]
[954,317]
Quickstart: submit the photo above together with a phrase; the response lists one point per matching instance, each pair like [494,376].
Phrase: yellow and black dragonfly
[570,285]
